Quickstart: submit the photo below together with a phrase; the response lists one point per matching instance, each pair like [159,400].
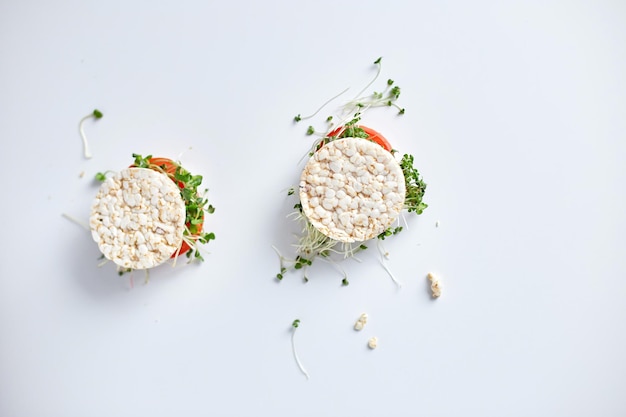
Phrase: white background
[515,115]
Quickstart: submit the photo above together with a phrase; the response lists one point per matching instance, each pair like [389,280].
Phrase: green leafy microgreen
[415,186]
[389,232]
[295,324]
[96,114]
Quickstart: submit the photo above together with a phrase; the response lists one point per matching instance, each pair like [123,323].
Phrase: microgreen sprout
[121,271]
[102,176]
[299,117]
[96,114]
[295,325]
[389,232]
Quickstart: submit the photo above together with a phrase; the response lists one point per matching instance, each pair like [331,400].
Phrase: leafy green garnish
[389,232]
[415,186]
[352,130]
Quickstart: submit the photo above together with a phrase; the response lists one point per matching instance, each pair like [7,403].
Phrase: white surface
[515,114]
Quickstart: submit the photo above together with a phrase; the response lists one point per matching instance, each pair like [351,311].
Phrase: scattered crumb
[437,223]
[82,174]
[360,323]
[373,342]
[434,285]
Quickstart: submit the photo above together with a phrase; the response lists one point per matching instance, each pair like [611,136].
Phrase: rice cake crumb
[435,287]
[372,343]
[361,321]
[138,218]
[352,190]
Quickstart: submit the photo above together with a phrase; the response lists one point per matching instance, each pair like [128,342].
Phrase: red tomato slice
[371,135]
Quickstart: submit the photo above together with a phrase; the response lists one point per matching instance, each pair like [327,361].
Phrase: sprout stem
[382,262]
[76,221]
[295,325]
[82,135]
[371,82]
[324,105]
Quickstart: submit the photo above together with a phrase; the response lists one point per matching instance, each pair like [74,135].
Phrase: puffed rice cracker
[138,218]
[352,189]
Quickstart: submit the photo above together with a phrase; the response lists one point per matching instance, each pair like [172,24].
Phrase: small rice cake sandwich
[149,213]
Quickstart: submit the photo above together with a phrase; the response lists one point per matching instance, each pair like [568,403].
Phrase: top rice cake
[138,218]
[352,190]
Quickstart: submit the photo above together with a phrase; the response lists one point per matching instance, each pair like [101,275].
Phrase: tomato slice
[371,135]
[170,168]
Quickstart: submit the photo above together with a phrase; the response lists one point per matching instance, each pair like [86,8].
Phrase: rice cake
[352,190]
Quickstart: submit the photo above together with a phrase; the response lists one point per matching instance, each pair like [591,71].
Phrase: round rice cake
[352,190]
[138,218]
